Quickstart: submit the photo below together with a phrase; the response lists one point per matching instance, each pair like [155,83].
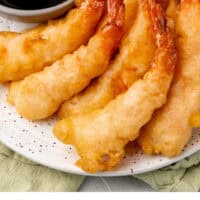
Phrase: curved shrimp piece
[100,136]
[32,50]
[39,95]
[171,128]
[130,64]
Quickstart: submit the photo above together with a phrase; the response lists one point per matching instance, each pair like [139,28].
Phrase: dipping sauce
[30,4]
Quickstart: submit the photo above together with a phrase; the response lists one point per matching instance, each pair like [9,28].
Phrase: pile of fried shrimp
[115,72]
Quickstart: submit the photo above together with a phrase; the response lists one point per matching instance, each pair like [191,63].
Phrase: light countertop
[114,184]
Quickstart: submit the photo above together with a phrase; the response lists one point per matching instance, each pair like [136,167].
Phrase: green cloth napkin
[183,176]
[19,174]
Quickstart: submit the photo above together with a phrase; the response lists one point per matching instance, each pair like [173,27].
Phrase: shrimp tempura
[100,136]
[134,58]
[23,54]
[39,95]
[171,128]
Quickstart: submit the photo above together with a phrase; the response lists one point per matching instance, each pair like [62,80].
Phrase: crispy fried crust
[39,95]
[100,136]
[31,51]
[131,8]
[170,128]
[8,35]
[134,58]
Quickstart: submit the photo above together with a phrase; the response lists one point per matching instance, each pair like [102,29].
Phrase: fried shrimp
[171,127]
[131,64]
[39,95]
[31,51]
[100,136]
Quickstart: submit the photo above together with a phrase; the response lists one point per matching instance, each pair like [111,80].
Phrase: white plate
[36,141]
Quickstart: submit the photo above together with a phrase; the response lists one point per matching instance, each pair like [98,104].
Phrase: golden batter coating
[100,136]
[170,129]
[131,9]
[31,51]
[134,58]
[39,95]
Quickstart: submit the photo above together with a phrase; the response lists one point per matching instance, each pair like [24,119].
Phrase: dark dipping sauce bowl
[34,10]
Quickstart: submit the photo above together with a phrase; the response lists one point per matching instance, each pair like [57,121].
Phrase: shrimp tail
[115,20]
[116,11]
[90,3]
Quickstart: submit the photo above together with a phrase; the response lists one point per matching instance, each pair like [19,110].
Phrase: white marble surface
[114,184]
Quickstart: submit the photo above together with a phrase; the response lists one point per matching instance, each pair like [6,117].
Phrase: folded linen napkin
[183,176]
[19,174]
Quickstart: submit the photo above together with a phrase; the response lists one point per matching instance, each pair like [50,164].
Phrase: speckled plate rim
[103,174]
